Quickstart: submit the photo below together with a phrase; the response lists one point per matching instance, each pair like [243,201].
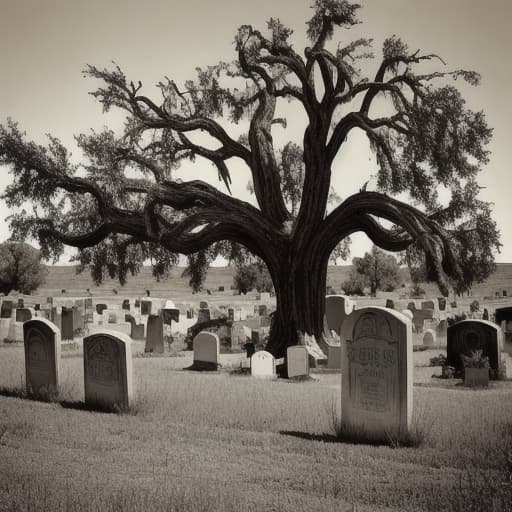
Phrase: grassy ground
[218,442]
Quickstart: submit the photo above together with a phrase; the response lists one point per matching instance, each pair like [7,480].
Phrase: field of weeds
[223,442]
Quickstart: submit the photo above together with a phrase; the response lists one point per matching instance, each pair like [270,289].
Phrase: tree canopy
[121,205]
[20,268]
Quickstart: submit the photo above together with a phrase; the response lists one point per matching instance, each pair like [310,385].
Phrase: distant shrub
[417,291]
[439,360]
[474,306]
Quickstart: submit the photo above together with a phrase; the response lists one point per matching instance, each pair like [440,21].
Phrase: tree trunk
[300,284]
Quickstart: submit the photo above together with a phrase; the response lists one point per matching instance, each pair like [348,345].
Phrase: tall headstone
[203,315]
[67,330]
[263,365]
[297,362]
[334,357]
[337,308]
[441,302]
[108,370]
[376,373]
[126,304]
[206,346]
[145,307]
[155,335]
[42,355]
[469,336]
[7,307]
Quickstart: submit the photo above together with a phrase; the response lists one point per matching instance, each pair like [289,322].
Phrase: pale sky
[45,44]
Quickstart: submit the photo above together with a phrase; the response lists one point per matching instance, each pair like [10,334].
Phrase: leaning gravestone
[469,336]
[297,362]
[377,366]
[67,330]
[108,370]
[42,355]
[155,335]
[337,308]
[263,365]
[206,346]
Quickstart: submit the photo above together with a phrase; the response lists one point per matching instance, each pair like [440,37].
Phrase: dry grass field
[224,442]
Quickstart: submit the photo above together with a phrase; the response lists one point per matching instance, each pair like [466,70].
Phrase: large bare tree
[122,205]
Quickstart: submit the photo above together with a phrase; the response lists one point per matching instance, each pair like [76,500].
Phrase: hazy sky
[45,44]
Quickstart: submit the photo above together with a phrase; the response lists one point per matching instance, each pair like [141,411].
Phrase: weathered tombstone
[21,304]
[262,310]
[429,338]
[6,311]
[297,362]
[441,302]
[255,337]
[334,357]
[206,348]
[112,318]
[126,304]
[231,314]
[263,365]
[221,288]
[428,304]
[250,349]
[23,314]
[67,330]
[42,355]
[453,304]
[376,373]
[136,330]
[100,308]
[337,308]
[137,303]
[469,336]
[37,307]
[505,293]
[203,304]
[145,307]
[485,315]
[170,314]
[203,315]
[108,370]
[155,335]
[390,304]
[88,303]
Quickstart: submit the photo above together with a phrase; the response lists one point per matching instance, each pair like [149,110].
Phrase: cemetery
[277,281]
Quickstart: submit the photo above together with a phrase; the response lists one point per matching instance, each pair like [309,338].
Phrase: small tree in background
[376,270]
[20,268]
[252,276]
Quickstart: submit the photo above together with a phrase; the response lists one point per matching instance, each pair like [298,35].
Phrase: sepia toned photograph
[255,255]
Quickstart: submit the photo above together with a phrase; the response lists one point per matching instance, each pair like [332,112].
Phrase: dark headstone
[453,304]
[221,288]
[469,336]
[126,304]
[100,308]
[6,311]
[390,304]
[441,302]
[203,315]
[231,314]
[137,303]
[145,307]
[485,314]
[503,314]
[504,293]
[67,330]
[37,307]
[21,304]
[170,314]
[23,314]
[208,292]
[155,335]
[250,349]
[203,304]
[136,330]
[262,310]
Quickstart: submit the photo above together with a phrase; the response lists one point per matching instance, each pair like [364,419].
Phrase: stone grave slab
[108,370]
[376,373]
[206,346]
[42,356]
[334,357]
[337,308]
[297,361]
[263,365]
[155,335]
[67,328]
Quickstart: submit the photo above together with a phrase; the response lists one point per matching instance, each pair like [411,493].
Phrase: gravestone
[126,304]
[429,338]
[262,310]
[170,314]
[441,302]
[264,321]
[221,288]
[297,362]
[145,307]
[23,314]
[469,336]
[42,355]
[67,330]
[428,304]
[137,303]
[255,337]
[155,335]
[250,349]
[263,365]
[136,330]
[108,370]
[203,304]
[203,315]
[337,308]
[21,304]
[334,357]
[390,304]
[206,348]
[100,308]
[112,318]
[231,314]
[441,328]
[88,303]
[485,315]
[6,311]
[377,368]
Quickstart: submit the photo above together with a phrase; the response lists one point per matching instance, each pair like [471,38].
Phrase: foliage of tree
[376,270]
[252,276]
[20,268]
[121,205]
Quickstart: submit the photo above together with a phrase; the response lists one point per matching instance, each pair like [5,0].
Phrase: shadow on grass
[324,438]
[83,406]
[13,392]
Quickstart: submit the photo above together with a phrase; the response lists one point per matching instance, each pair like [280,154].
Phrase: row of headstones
[107,365]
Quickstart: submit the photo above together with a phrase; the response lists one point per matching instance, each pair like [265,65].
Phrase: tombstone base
[203,366]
